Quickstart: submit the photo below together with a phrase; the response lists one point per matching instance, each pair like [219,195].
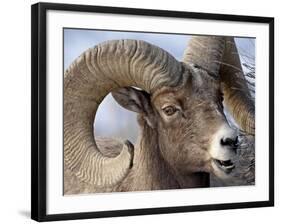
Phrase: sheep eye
[170,110]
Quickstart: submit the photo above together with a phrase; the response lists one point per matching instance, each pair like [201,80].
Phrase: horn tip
[130,148]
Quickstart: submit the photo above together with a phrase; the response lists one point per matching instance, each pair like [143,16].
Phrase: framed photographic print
[138,111]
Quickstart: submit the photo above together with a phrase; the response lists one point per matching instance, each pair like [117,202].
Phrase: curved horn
[206,52]
[236,92]
[87,81]
[218,55]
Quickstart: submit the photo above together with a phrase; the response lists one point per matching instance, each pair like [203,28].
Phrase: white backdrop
[15,110]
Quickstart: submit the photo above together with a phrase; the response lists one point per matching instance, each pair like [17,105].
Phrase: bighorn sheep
[184,132]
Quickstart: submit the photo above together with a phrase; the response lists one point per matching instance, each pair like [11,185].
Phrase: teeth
[229,167]
[227,164]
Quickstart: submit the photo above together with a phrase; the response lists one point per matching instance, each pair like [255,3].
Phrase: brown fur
[171,153]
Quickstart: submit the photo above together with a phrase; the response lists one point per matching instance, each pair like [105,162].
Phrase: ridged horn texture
[236,92]
[219,56]
[87,81]
[205,52]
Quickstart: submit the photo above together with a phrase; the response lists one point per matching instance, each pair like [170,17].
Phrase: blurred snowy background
[111,119]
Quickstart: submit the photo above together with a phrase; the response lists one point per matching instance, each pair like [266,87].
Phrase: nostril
[226,141]
[233,142]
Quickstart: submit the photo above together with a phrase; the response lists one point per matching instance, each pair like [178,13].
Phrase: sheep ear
[133,99]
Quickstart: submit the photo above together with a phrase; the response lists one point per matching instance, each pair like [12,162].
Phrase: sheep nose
[231,142]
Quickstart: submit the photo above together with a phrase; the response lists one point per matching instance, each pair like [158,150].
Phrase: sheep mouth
[225,165]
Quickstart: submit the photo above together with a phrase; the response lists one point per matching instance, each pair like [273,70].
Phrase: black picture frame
[39,122]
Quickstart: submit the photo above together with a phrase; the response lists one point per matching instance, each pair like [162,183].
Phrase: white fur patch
[217,151]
